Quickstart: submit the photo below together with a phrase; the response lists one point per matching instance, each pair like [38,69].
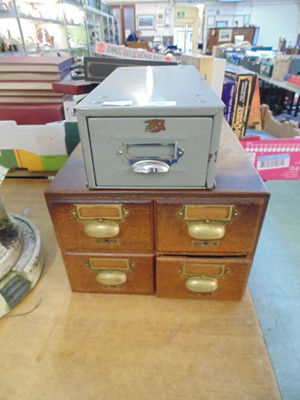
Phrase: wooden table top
[62,345]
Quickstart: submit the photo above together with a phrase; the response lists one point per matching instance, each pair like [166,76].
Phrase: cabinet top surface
[148,91]
[235,176]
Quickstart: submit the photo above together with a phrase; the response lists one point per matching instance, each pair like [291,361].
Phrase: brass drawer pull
[206,230]
[207,222]
[101,229]
[100,221]
[201,284]
[202,278]
[111,278]
[110,271]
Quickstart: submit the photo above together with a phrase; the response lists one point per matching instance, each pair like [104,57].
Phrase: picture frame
[210,20]
[145,21]
[160,19]
[225,35]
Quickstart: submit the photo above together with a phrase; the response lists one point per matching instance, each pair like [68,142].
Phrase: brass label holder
[207,222]
[100,221]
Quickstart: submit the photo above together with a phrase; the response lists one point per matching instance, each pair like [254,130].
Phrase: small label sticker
[44,140]
[108,241]
[206,243]
[162,103]
[118,103]
[273,161]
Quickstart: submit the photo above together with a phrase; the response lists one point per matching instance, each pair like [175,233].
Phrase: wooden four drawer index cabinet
[176,243]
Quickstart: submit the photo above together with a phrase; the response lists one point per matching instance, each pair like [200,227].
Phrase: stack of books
[26,88]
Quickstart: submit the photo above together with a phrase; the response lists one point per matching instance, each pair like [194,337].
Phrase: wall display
[10,35]
[54,27]
[145,21]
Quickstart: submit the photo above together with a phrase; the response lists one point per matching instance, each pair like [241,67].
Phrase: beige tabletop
[62,345]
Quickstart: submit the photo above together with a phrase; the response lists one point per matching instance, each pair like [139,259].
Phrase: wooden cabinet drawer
[110,274]
[201,278]
[103,226]
[223,227]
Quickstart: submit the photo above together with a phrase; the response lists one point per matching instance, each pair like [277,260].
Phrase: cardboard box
[36,147]
[212,69]
[254,120]
[295,65]
[278,158]
[245,84]
[266,68]
[294,79]
[228,98]
[281,67]
[69,107]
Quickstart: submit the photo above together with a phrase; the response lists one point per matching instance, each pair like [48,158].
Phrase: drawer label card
[206,243]
[108,241]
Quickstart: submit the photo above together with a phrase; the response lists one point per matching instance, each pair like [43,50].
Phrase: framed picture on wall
[160,19]
[145,22]
[225,35]
[210,20]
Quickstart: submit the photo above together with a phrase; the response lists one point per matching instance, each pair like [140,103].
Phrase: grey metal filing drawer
[151,127]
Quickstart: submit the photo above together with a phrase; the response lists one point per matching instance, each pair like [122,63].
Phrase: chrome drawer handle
[150,167]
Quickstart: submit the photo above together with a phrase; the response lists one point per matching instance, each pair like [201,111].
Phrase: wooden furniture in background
[138,45]
[219,36]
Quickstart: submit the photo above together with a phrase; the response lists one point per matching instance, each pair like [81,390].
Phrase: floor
[275,284]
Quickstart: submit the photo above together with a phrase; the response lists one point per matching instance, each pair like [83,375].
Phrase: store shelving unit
[52,27]
[100,27]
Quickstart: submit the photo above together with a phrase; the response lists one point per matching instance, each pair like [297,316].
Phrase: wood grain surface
[72,346]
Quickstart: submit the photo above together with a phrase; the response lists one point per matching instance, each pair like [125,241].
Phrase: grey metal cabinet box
[151,127]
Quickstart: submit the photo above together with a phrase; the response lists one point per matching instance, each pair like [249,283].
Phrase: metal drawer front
[126,153]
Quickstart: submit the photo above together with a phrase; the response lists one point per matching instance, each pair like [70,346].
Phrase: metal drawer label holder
[207,222]
[111,272]
[205,282]
[100,221]
[142,158]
